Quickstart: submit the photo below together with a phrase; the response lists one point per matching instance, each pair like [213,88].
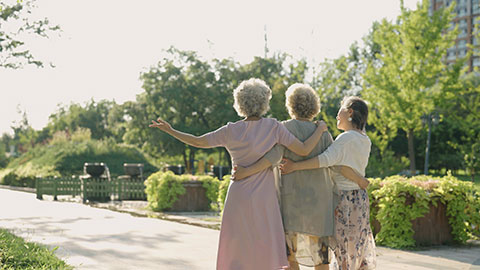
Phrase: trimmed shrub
[395,201]
[163,189]
[66,158]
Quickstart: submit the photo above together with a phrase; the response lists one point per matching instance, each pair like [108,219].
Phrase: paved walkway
[92,238]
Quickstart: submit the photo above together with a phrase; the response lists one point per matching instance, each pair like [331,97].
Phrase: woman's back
[305,193]
[351,149]
[248,141]
[251,236]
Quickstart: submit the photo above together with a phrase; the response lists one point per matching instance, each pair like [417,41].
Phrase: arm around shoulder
[303,149]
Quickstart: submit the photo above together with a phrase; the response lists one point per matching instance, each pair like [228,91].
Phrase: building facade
[468,19]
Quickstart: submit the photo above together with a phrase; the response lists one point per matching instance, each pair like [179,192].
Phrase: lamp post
[429,119]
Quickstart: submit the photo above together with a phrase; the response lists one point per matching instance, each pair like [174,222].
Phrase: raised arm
[197,141]
[303,149]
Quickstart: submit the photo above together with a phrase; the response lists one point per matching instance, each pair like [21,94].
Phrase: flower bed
[423,210]
[169,192]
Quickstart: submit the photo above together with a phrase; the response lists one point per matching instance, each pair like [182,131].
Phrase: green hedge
[15,253]
[163,189]
[388,205]
[66,158]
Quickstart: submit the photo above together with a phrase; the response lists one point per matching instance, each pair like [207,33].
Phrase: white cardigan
[351,149]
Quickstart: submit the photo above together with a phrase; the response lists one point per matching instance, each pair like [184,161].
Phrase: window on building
[476,62]
[452,56]
[461,11]
[475,41]
[475,6]
[462,32]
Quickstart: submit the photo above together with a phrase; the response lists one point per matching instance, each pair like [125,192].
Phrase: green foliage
[3,156]
[17,26]
[335,80]
[463,207]
[103,119]
[395,213]
[395,201]
[464,99]
[15,253]
[400,81]
[382,165]
[184,90]
[211,186]
[223,190]
[66,156]
[163,189]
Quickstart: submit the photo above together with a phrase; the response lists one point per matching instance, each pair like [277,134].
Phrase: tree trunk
[411,151]
[185,159]
[191,161]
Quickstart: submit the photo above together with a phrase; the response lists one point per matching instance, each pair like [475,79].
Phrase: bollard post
[55,189]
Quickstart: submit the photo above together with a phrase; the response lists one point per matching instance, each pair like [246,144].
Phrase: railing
[58,186]
[92,189]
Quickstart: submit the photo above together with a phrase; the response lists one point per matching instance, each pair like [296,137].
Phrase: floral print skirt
[355,244]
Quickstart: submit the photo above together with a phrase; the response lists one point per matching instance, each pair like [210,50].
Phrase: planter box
[431,229]
[194,199]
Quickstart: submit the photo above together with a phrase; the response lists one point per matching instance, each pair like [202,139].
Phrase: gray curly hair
[252,98]
[302,101]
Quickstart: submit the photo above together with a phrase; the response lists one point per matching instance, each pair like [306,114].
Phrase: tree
[294,73]
[196,96]
[335,80]
[95,116]
[16,24]
[399,85]
[463,104]
[183,90]
[24,136]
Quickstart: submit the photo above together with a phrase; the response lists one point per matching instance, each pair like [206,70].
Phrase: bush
[223,190]
[395,201]
[15,253]
[386,164]
[63,157]
[163,189]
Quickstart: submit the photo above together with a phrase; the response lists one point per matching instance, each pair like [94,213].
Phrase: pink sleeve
[284,137]
[217,137]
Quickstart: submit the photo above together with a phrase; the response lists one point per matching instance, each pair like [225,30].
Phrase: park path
[92,238]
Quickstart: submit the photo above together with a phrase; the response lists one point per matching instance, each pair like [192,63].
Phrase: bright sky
[106,44]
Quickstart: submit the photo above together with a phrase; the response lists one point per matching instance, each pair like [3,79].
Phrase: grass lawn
[15,253]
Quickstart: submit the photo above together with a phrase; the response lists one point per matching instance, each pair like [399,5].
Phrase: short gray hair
[252,98]
[302,101]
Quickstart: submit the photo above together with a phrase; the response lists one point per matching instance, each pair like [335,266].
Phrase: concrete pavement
[92,238]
